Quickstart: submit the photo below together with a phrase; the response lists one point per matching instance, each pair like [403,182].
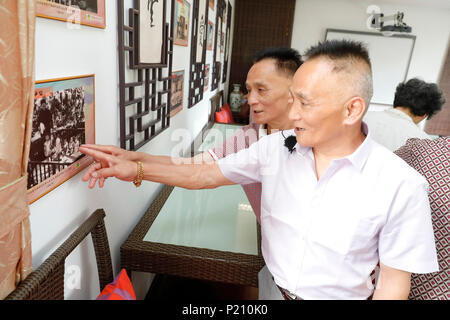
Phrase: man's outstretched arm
[156,168]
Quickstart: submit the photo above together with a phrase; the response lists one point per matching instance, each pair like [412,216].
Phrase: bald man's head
[350,61]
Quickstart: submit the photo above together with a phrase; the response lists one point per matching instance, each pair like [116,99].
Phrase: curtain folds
[17,32]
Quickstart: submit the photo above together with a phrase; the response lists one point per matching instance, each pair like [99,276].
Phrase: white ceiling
[441,4]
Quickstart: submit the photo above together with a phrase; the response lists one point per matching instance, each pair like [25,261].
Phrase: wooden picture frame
[177,92]
[63,119]
[217,57]
[198,51]
[149,24]
[144,89]
[85,12]
[227,43]
[182,8]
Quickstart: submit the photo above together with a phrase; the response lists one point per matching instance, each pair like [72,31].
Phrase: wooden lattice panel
[198,57]
[144,88]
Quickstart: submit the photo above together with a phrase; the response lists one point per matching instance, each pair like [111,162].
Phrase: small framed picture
[207,72]
[85,12]
[182,8]
[210,35]
[63,119]
[177,92]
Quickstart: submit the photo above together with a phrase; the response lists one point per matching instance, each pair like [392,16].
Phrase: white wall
[63,51]
[430,22]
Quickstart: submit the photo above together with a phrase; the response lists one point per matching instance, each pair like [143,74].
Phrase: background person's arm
[393,284]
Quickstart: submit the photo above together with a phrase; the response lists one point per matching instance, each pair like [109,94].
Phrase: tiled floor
[179,289]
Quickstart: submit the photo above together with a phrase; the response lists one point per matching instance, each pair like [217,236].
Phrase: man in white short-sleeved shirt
[332,208]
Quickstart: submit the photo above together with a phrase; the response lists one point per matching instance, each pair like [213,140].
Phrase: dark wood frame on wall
[197,69]
[216,67]
[227,32]
[147,78]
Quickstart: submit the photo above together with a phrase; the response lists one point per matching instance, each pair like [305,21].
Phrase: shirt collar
[358,158]
[399,114]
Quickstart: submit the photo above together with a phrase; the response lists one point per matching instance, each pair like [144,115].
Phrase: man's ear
[354,110]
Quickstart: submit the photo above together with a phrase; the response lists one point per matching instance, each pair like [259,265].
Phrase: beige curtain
[17,28]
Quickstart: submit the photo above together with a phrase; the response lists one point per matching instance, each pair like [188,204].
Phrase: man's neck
[415,119]
[336,149]
[277,126]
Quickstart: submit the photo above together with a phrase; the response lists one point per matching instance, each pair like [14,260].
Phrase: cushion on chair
[431,158]
[120,289]
[224,115]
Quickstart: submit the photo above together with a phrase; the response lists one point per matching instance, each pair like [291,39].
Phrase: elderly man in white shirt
[414,101]
[334,204]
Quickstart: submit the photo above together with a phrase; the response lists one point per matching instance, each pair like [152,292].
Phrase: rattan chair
[47,281]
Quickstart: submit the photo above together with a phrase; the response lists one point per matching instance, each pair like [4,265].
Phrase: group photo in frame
[86,12]
[63,119]
[152,20]
[182,8]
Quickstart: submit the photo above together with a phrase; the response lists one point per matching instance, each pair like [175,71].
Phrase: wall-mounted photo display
[151,25]
[63,119]
[227,42]
[218,61]
[182,8]
[198,51]
[207,72]
[85,12]
[211,4]
[210,35]
[177,92]
[145,46]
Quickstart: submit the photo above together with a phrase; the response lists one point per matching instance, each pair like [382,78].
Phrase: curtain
[439,124]
[17,28]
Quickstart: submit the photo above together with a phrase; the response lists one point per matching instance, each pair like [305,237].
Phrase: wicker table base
[189,262]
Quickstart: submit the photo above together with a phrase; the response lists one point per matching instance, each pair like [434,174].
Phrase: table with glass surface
[207,234]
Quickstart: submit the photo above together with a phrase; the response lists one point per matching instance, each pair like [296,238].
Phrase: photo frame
[150,24]
[144,88]
[63,119]
[210,36]
[177,92]
[217,56]
[207,74]
[198,51]
[85,12]
[182,8]
[227,43]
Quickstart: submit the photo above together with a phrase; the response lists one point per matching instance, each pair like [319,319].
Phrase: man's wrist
[140,174]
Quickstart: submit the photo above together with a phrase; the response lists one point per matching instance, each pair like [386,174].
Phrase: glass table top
[218,219]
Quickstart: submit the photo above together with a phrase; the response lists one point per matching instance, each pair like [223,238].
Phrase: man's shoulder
[393,167]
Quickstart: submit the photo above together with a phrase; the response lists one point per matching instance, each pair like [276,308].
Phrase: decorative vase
[236,98]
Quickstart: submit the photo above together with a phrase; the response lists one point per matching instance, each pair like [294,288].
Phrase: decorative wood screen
[227,43]
[144,87]
[198,51]
[217,68]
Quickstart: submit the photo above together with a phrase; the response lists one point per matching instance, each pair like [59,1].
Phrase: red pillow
[224,115]
[120,289]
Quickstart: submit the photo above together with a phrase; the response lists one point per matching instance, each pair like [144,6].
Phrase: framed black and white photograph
[63,119]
